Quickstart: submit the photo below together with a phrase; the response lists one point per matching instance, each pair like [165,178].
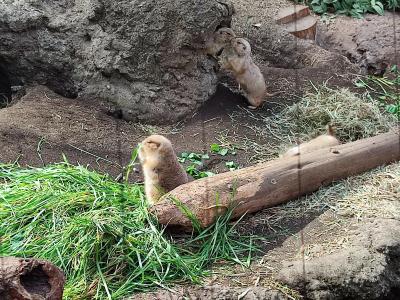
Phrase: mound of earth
[368,269]
[43,126]
[369,42]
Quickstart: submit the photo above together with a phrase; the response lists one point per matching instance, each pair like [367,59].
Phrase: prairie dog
[161,169]
[237,58]
[320,142]
[218,40]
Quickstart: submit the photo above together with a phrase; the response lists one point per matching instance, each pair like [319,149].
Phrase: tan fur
[237,58]
[320,142]
[218,40]
[161,169]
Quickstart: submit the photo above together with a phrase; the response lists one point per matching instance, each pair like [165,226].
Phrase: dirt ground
[42,126]
[368,42]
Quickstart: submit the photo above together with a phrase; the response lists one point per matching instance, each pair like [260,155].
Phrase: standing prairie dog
[320,142]
[218,40]
[161,169]
[237,58]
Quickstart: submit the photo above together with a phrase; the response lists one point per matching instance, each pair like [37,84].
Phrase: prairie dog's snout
[218,40]
[241,46]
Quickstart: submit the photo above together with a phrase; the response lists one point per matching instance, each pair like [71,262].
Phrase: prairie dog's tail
[330,130]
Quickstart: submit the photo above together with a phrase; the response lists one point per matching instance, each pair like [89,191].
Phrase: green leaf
[205,156]
[223,152]
[378,7]
[231,165]
[215,148]
[209,174]
[393,109]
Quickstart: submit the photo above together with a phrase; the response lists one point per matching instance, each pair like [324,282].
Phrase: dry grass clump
[354,117]
[375,194]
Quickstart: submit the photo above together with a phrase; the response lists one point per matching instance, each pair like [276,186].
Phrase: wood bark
[271,183]
[30,279]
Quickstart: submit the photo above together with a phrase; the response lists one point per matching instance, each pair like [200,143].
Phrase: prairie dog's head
[224,35]
[154,145]
[241,46]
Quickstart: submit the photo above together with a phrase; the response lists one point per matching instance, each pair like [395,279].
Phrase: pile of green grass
[100,233]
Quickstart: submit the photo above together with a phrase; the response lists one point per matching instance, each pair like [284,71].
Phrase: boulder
[144,56]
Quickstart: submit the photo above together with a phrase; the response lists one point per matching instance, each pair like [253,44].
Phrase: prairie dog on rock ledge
[320,142]
[218,40]
[161,169]
[237,58]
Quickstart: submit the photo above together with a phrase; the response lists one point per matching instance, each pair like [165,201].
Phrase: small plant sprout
[132,162]
[220,150]
[196,160]
[193,157]
[384,89]
[231,165]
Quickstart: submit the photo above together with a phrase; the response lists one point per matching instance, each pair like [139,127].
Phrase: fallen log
[271,183]
[30,279]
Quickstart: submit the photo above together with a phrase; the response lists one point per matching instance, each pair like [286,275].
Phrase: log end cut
[304,28]
[33,279]
[292,13]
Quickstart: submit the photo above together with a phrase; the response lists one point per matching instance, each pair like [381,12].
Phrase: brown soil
[369,42]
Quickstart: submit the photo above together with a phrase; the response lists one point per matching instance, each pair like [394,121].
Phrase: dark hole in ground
[116,113]
[62,85]
[222,103]
[5,88]
[87,37]
[36,282]
[393,294]
[224,23]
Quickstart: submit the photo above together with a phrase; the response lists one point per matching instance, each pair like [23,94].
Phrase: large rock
[370,269]
[142,55]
